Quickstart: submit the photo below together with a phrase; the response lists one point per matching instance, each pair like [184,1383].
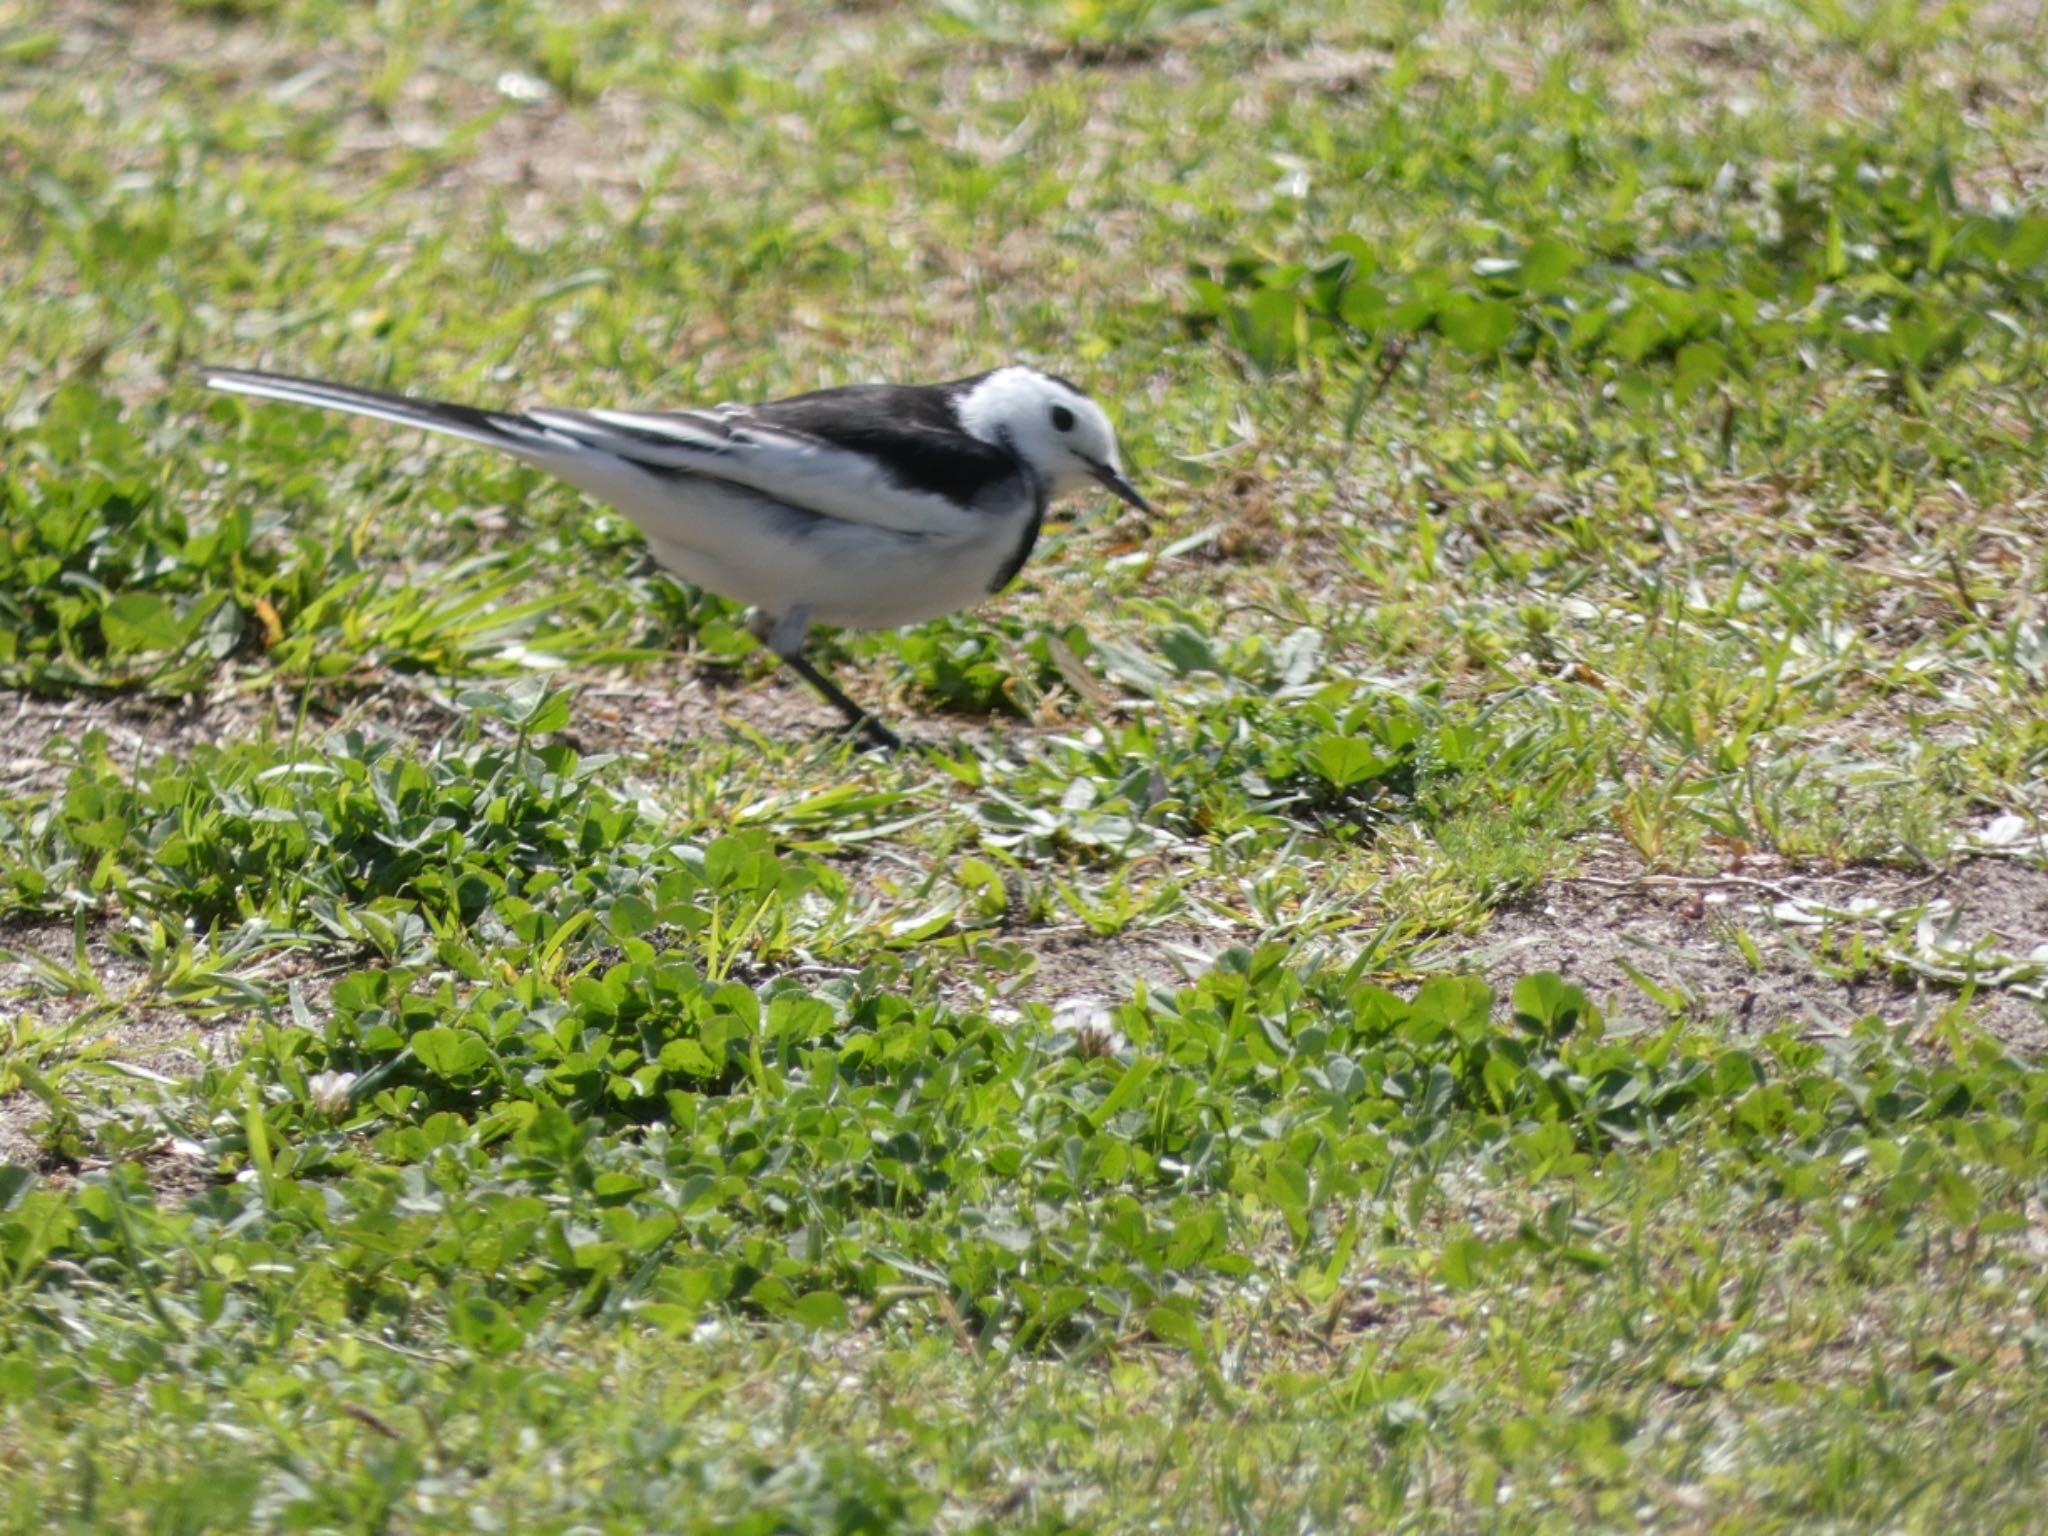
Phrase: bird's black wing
[911,431]
[888,456]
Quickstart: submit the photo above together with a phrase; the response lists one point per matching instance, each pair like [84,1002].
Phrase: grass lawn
[1486,969]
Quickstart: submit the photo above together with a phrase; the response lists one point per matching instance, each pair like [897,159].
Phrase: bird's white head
[1050,425]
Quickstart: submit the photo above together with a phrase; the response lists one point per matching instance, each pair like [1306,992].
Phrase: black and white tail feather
[870,506]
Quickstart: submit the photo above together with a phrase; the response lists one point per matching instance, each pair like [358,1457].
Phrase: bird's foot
[876,737]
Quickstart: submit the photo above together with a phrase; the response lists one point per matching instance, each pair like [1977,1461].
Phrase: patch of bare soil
[646,709]
[120,1026]
[20,1114]
[538,157]
[38,736]
[1071,967]
[1679,934]
[628,711]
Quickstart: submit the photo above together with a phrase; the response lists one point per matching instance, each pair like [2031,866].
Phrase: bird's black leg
[785,637]
[857,718]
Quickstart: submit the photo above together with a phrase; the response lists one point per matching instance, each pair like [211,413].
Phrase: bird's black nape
[871,730]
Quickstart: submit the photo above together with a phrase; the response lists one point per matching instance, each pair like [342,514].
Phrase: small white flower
[328,1092]
[1088,1021]
[523,88]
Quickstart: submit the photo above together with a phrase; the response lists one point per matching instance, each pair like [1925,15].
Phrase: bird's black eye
[1062,419]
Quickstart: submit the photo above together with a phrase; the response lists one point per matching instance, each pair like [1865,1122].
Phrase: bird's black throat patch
[1041,494]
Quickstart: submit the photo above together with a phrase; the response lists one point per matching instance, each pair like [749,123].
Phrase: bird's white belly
[872,580]
[843,573]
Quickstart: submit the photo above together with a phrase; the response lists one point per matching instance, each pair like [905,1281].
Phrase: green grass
[475,1054]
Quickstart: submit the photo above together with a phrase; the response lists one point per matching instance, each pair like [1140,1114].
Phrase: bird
[863,506]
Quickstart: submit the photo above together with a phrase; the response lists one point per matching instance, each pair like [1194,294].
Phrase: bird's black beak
[1121,486]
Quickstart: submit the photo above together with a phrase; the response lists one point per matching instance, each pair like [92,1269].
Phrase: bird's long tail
[506,430]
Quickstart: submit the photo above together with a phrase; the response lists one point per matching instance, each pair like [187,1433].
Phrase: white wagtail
[870,507]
